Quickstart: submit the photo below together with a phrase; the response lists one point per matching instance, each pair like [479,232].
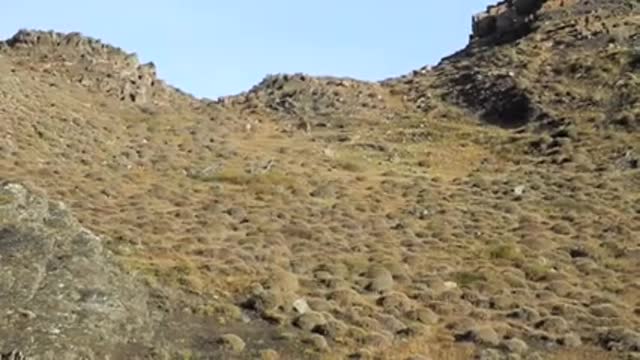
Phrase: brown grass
[428,199]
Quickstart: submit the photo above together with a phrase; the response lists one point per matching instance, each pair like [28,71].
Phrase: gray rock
[301,306]
[58,284]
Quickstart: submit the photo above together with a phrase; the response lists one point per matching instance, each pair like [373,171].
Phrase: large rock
[61,295]
[507,19]
[526,7]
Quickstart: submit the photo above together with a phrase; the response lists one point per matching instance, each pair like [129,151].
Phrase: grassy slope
[426,198]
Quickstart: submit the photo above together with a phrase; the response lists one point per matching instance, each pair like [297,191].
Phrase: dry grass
[419,223]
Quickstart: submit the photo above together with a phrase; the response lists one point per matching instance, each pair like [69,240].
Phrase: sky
[213,48]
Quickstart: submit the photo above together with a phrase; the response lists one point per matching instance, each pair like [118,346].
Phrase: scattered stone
[450,285]
[301,306]
[519,190]
[231,342]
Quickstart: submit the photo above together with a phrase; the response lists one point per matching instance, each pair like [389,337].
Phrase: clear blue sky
[212,48]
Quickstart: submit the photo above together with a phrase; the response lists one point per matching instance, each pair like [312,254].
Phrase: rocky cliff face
[509,19]
[92,64]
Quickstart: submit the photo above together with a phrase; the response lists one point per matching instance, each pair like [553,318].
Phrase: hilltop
[485,207]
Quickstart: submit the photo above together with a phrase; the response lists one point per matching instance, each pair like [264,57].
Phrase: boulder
[60,291]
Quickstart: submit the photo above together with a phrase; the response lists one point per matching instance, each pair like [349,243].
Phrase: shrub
[505,252]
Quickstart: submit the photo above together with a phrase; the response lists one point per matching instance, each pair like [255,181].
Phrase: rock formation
[92,64]
[61,295]
[507,19]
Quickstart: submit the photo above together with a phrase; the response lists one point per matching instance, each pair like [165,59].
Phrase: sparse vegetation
[508,252]
[467,278]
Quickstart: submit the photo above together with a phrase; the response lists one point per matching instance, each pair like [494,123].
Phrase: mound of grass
[508,252]
[468,278]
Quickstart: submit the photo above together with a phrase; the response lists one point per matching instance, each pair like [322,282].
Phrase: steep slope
[484,207]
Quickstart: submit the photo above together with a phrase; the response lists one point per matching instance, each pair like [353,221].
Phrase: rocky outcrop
[496,97]
[321,101]
[505,20]
[61,295]
[89,62]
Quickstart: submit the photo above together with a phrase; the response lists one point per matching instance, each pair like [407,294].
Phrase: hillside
[486,207]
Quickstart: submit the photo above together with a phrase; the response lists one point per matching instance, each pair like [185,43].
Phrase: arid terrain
[484,208]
